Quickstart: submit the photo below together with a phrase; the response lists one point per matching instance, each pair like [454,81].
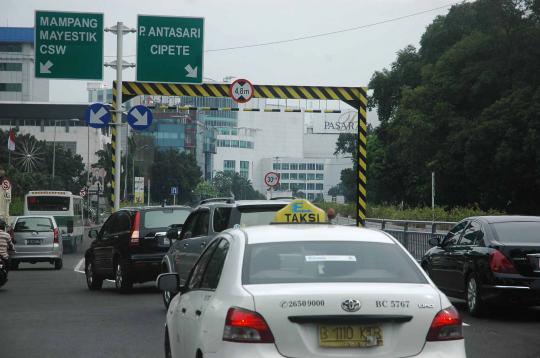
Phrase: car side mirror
[168,282]
[172,234]
[435,241]
[93,233]
[187,235]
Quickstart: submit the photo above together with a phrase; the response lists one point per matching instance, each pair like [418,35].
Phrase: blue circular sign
[97,115]
[140,117]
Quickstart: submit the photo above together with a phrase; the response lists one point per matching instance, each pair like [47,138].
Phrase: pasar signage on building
[346,122]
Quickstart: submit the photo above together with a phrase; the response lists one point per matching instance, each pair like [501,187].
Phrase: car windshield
[253,217]
[33,224]
[523,232]
[163,218]
[328,261]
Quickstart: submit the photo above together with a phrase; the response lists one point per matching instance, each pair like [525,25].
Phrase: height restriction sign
[241,90]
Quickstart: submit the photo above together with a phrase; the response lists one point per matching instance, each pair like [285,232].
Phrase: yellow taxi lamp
[300,211]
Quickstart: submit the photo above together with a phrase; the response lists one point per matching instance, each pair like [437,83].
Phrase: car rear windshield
[47,203]
[328,261]
[522,232]
[33,224]
[261,216]
[163,218]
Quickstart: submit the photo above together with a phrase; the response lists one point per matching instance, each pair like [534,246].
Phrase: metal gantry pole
[54,154]
[116,139]
[361,179]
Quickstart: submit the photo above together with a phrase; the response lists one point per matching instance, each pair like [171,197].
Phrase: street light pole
[54,153]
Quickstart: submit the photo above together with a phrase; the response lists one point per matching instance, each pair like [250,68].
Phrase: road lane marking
[77,267]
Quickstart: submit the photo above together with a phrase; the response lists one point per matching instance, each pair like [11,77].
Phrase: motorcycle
[3,272]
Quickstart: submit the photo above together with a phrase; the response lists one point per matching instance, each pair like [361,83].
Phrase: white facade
[281,141]
[84,140]
[17,81]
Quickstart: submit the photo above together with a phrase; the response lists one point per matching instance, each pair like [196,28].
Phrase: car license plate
[33,242]
[353,336]
[166,241]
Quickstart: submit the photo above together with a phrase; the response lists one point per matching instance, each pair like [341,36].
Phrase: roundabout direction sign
[271,179]
[241,91]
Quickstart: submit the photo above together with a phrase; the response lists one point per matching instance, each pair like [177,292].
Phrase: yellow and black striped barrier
[354,96]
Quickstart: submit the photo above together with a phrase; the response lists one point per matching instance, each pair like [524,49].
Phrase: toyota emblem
[351,305]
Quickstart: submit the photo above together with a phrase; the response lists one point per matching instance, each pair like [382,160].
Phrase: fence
[414,235]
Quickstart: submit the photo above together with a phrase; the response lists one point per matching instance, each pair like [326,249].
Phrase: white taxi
[308,290]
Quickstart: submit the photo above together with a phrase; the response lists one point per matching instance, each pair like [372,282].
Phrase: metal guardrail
[413,235]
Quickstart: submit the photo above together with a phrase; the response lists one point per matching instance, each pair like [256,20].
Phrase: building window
[301,186]
[294,176]
[276,166]
[319,187]
[320,166]
[284,176]
[11,66]
[10,87]
[10,47]
[244,169]
[319,176]
[311,166]
[310,186]
[229,166]
[294,166]
[285,166]
[311,196]
[302,166]
[284,186]
[310,176]
[302,176]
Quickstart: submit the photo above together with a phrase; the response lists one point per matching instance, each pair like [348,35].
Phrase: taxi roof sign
[300,211]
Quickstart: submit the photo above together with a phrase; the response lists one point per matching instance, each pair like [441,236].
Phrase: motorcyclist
[6,244]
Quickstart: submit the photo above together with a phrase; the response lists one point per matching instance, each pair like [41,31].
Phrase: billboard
[336,123]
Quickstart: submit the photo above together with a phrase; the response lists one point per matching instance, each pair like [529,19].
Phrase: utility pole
[433,196]
[119,30]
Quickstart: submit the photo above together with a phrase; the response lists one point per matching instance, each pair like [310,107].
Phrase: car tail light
[56,234]
[135,230]
[500,263]
[446,326]
[246,327]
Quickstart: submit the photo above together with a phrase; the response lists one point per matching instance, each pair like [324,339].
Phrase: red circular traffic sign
[6,185]
[82,192]
[271,179]
[241,91]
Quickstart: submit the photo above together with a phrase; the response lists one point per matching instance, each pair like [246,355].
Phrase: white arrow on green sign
[68,45]
[170,49]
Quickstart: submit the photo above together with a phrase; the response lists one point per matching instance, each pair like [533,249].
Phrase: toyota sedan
[308,291]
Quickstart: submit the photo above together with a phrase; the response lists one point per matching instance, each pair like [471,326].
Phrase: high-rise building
[17,81]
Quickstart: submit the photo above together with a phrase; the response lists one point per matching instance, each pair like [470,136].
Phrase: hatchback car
[209,218]
[36,239]
[488,259]
[308,290]
[130,246]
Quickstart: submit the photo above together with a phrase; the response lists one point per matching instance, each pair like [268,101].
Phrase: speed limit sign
[241,90]
[271,179]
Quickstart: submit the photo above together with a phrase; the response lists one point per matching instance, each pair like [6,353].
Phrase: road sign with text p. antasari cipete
[68,45]
[170,49]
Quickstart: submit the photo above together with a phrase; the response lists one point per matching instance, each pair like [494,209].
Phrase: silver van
[37,239]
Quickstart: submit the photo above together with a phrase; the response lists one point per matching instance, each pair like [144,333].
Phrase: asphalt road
[49,313]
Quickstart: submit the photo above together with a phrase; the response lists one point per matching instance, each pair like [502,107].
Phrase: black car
[488,259]
[130,246]
[209,218]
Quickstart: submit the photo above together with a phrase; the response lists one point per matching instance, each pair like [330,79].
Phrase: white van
[66,208]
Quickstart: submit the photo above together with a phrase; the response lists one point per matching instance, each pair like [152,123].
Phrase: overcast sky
[345,59]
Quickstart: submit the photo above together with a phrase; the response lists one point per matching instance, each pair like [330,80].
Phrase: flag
[11,140]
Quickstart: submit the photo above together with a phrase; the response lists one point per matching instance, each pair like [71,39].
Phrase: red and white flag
[11,140]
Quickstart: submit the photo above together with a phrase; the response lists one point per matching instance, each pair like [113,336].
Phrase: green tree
[205,190]
[230,183]
[173,168]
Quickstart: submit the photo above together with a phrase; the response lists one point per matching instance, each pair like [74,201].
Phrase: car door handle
[186,244]
[203,244]
[198,313]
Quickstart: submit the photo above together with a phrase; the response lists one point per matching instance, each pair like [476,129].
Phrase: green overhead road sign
[170,49]
[68,45]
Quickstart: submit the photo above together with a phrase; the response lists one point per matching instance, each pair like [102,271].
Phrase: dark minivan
[130,245]
[488,259]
